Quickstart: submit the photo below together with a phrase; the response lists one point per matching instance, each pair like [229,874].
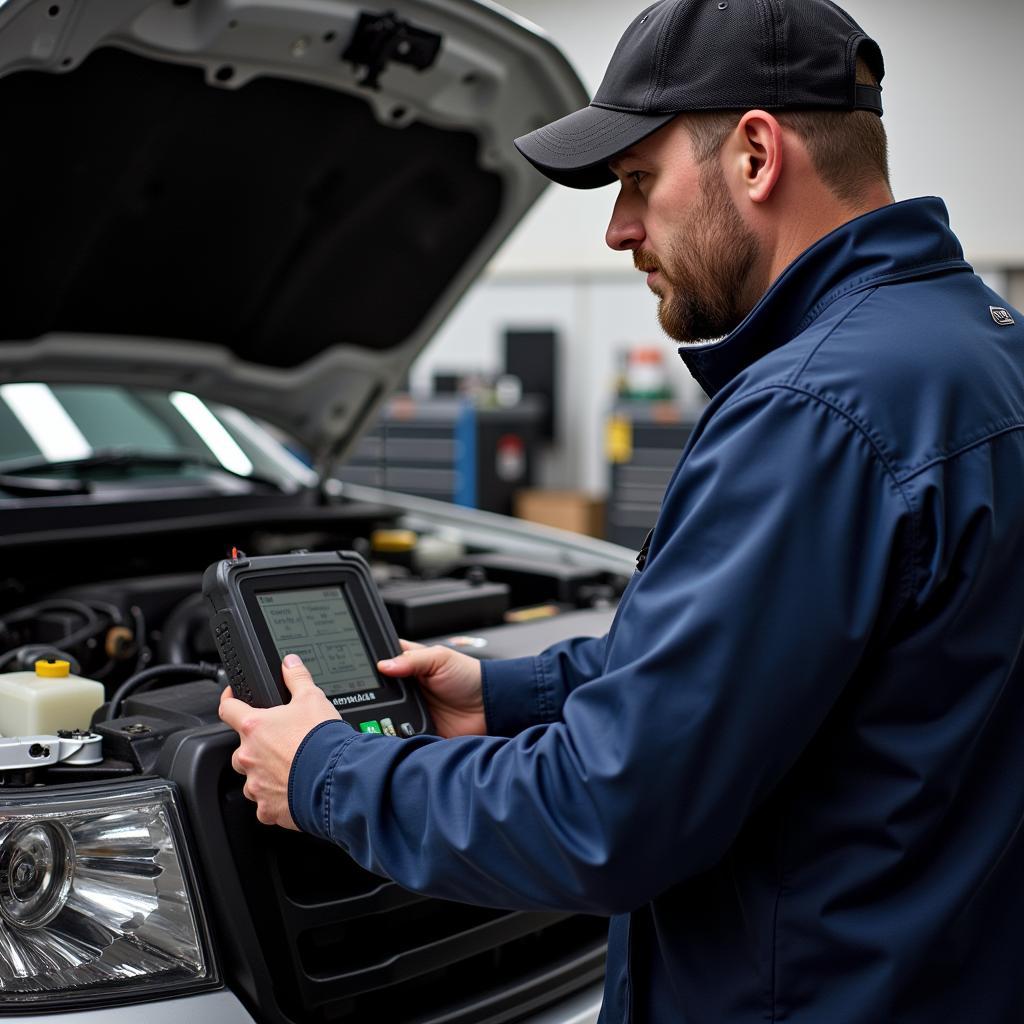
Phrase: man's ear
[758,154]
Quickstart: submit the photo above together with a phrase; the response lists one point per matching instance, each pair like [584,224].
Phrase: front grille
[343,945]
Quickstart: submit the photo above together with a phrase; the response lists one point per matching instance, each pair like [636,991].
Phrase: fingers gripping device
[324,607]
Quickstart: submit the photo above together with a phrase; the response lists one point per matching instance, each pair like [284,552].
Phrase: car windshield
[65,429]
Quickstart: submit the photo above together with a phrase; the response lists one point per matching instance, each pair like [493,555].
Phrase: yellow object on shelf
[618,439]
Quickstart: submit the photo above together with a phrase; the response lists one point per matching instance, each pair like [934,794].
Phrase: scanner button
[388,727]
[406,729]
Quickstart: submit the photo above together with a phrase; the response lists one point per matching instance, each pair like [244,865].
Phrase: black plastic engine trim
[287,990]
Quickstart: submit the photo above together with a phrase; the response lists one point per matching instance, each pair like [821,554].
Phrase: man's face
[681,223]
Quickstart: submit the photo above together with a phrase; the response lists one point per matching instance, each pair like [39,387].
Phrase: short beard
[708,267]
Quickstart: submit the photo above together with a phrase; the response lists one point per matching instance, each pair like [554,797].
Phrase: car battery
[421,608]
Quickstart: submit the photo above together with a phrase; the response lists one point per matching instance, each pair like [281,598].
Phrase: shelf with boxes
[450,448]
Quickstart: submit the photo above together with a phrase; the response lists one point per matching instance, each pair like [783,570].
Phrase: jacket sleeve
[520,692]
[778,550]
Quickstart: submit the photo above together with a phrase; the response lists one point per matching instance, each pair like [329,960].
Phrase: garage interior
[593,452]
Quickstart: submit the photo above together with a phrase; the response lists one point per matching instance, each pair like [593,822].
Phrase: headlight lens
[97,898]
[37,868]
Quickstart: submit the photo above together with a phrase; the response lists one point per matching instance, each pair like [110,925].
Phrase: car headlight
[97,898]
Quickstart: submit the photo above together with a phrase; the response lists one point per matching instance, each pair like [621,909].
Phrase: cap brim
[575,149]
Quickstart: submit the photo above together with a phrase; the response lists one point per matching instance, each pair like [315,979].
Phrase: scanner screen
[316,623]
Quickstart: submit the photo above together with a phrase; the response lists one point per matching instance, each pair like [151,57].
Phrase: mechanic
[793,772]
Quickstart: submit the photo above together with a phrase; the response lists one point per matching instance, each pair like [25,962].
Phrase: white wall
[953,87]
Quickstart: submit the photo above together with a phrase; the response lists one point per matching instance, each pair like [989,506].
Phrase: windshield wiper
[118,459]
[20,487]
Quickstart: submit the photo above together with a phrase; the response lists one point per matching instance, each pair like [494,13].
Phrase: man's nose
[625,229]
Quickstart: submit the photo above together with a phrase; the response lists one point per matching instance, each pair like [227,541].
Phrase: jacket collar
[908,239]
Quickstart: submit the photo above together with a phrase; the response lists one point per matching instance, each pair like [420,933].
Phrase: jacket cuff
[309,779]
[515,695]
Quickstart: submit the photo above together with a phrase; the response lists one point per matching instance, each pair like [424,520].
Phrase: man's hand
[451,685]
[270,737]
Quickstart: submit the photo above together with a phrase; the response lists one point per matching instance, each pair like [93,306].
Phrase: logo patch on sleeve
[1001,316]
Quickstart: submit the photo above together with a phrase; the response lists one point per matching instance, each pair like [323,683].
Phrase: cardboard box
[567,510]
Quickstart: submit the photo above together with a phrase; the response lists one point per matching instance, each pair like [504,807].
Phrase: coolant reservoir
[40,703]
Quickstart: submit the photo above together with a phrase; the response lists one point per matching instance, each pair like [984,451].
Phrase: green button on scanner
[373,727]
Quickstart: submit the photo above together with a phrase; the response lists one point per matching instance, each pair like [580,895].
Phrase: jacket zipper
[641,558]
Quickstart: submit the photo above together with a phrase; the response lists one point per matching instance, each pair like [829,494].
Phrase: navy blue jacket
[794,769]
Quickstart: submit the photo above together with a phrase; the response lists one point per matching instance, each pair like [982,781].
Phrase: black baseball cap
[691,55]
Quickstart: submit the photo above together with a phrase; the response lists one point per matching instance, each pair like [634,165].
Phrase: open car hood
[268,203]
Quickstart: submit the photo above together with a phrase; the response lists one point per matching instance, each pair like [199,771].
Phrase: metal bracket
[77,747]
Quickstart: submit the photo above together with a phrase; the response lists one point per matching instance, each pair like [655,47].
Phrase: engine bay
[127,616]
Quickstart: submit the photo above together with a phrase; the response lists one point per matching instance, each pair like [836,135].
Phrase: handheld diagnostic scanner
[324,607]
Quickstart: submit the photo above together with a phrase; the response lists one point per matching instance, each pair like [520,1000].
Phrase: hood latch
[380,39]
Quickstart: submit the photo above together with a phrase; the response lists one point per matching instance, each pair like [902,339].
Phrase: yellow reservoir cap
[393,541]
[53,669]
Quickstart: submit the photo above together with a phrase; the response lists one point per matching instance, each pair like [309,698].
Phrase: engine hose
[186,619]
[10,638]
[25,657]
[114,618]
